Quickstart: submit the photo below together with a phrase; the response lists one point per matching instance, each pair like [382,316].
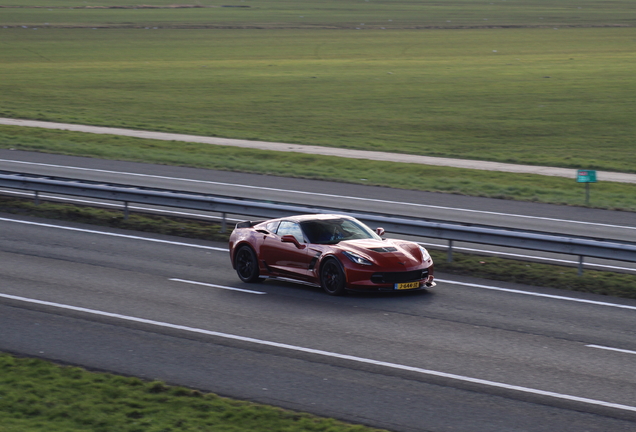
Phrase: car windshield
[332,231]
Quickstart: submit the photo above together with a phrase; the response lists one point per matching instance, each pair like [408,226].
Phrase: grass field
[534,94]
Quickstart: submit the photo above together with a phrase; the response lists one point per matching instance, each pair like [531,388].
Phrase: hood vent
[384,249]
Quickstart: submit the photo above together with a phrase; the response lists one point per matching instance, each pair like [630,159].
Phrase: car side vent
[384,249]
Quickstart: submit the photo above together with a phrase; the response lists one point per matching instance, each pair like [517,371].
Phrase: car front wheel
[332,278]
[247,265]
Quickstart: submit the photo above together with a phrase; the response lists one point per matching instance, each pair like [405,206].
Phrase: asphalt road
[464,357]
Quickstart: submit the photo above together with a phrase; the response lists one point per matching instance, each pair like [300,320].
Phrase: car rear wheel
[247,265]
[332,278]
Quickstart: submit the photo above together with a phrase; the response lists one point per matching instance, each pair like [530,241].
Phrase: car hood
[385,253]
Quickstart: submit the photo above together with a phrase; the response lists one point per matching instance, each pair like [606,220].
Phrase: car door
[286,257]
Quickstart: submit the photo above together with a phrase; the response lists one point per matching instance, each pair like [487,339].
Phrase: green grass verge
[38,396]
[529,273]
[535,188]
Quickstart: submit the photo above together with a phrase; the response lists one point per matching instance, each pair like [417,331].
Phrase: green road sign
[586,176]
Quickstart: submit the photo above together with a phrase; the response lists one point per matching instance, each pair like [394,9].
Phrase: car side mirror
[291,239]
[379,231]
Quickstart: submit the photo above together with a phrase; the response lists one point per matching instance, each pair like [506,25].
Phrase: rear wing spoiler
[248,224]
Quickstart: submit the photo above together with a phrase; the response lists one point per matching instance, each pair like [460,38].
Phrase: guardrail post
[580,265]
[223,223]
[37,198]
[125,210]
[449,257]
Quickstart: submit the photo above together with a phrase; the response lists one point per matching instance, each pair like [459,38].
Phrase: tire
[247,265]
[332,277]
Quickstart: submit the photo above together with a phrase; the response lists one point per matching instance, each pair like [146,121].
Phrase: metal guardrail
[579,246]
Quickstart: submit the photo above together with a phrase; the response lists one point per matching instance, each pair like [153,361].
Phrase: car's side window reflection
[291,228]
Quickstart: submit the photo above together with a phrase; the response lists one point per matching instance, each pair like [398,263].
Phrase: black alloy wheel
[332,277]
[247,265]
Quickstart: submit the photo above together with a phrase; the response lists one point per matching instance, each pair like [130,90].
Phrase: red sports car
[335,252]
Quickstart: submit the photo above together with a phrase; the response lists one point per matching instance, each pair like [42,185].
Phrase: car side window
[272,226]
[291,228]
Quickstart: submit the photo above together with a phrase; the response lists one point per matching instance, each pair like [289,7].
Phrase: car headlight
[425,255]
[358,259]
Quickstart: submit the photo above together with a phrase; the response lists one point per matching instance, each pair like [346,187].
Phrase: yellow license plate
[407,285]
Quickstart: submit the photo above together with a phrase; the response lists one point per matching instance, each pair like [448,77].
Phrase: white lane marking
[217,286]
[114,234]
[611,349]
[330,354]
[325,195]
[227,250]
[530,293]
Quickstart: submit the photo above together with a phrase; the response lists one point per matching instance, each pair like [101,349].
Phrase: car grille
[399,277]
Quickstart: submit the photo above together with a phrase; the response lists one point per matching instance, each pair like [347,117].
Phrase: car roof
[309,217]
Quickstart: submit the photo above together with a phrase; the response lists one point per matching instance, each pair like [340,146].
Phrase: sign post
[587,177]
